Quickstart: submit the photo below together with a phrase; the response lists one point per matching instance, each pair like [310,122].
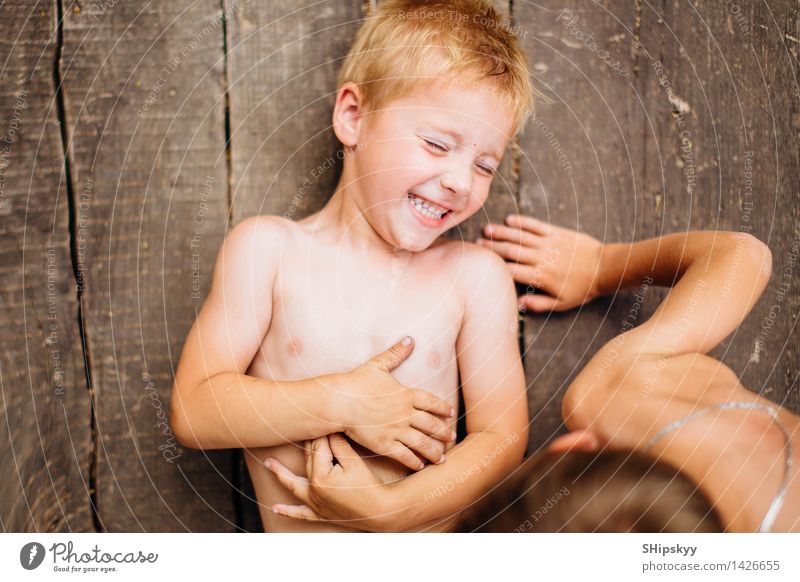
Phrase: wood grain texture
[45,407]
[708,108]
[580,167]
[144,95]
[283,59]
[723,97]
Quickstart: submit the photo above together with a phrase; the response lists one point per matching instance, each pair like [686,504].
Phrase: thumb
[537,303]
[342,450]
[394,356]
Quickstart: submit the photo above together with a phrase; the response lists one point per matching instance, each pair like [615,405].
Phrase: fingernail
[488,229]
[407,341]
[274,509]
[421,465]
[453,436]
[510,217]
[452,411]
[442,459]
[268,463]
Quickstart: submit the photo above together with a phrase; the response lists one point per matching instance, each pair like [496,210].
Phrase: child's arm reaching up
[493,386]
[215,405]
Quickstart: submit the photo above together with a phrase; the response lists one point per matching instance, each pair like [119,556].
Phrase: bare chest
[329,316]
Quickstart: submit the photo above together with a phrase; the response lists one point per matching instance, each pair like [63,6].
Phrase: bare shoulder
[250,251]
[623,383]
[474,267]
[261,230]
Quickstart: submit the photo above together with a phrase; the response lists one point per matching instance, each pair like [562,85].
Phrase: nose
[457,179]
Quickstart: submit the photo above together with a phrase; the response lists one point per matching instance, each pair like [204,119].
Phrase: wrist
[334,407]
[611,266]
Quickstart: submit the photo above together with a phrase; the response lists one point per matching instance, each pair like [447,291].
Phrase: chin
[414,242]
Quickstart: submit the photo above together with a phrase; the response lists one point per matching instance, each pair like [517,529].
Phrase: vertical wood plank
[580,168]
[144,95]
[723,95]
[44,402]
[284,57]
[707,110]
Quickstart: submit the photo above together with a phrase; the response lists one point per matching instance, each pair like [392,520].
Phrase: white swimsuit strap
[777,501]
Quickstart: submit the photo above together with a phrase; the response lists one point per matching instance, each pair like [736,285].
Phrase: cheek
[476,202]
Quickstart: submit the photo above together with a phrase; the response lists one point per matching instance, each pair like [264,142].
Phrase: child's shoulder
[469,262]
[262,229]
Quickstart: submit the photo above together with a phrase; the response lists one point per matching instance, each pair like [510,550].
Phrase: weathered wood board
[666,117]
[45,450]
[144,94]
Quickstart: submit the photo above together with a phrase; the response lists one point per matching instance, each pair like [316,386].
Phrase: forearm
[483,459]
[716,278]
[231,410]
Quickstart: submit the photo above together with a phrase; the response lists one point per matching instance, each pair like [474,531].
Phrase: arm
[216,405]
[716,277]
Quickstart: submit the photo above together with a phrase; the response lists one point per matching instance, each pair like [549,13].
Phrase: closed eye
[487,169]
[436,146]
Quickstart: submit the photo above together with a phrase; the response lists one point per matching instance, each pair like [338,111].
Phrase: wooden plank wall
[133,135]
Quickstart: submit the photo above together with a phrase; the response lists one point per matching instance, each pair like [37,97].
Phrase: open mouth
[427,208]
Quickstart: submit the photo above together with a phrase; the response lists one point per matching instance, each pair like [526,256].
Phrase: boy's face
[426,162]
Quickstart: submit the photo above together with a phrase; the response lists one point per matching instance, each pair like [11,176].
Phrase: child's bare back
[335,304]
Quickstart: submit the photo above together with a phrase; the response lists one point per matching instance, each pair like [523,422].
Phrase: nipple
[434,359]
[295,347]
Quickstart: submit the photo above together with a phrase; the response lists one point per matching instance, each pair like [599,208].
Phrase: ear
[577,440]
[347,114]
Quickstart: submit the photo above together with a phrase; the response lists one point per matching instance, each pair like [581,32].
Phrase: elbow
[179,421]
[755,258]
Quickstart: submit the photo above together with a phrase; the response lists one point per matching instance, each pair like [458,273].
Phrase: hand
[562,263]
[391,419]
[347,494]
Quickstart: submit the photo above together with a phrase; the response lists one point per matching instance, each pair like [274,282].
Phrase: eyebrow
[460,138]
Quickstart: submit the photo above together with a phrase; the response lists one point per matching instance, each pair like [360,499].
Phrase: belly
[269,491]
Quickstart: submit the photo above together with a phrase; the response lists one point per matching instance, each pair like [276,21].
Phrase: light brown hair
[611,491]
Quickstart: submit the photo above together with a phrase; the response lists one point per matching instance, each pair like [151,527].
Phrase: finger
[433,426]
[509,251]
[424,400]
[394,356]
[311,465]
[341,449]
[429,448]
[403,455]
[297,486]
[530,224]
[537,303]
[296,512]
[531,276]
[511,234]
[320,461]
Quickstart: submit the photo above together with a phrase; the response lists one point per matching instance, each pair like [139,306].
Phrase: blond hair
[610,491]
[407,42]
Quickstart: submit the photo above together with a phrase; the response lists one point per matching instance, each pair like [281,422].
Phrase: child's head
[408,42]
[581,491]
[431,92]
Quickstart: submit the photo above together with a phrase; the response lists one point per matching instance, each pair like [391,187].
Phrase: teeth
[427,209]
